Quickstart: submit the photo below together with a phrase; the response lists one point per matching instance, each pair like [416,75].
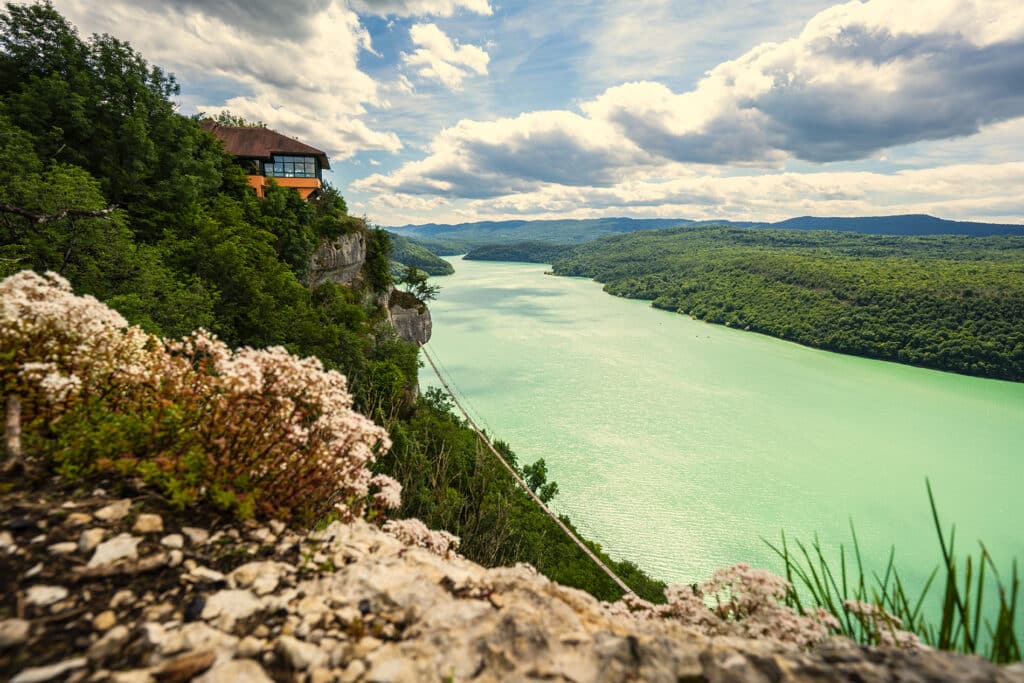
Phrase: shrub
[252,431]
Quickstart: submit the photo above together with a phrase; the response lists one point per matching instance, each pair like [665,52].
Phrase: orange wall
[304,186]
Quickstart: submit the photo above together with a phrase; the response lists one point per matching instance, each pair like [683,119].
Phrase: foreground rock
[353,604]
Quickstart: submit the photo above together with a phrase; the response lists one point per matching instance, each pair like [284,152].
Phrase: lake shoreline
[764,333]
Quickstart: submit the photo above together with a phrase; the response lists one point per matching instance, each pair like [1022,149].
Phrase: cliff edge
[104,589]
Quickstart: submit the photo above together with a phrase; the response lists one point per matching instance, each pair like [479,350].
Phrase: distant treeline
[446,240]
[949,302]
[528,252]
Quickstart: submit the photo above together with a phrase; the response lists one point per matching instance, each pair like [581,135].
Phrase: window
[292,167]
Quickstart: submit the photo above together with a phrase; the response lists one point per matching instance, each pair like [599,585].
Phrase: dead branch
[40,218]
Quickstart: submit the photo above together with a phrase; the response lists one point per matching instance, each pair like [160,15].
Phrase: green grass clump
[970,620]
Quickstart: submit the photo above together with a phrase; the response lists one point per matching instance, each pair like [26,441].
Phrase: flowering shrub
[736,601]
[252,430]
[415,533]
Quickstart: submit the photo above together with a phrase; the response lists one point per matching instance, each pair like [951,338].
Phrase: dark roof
[260,143]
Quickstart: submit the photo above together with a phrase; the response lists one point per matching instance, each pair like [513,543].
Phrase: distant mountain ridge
[904,224]
[573,231]
[576,231]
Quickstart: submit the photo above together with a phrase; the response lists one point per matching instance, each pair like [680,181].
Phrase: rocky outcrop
[410,317]
[339,260]
[350,603]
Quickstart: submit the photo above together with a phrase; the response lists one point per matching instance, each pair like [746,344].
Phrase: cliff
[410,317]
[343,261]
[339,260]
[105,589]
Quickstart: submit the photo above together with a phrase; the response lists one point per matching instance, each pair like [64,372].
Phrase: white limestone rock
[52,672]
[300,655]
[43,596]
[120,547]
[64,548]
[13,632]
[115,512]
[90,538]
[173,541]
[148,524]
[225,607]
[195,535]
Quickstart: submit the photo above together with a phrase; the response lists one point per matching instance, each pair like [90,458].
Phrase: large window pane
[292,167]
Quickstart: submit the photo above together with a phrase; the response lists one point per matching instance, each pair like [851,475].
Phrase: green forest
[103,182]
[407,252]
[949,302]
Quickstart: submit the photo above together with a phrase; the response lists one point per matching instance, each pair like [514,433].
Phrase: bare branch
[40,218]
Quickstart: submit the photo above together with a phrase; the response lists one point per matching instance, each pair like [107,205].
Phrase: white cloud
[438,57]
[487,159]
[860,78]
[282,74]
[966,191]
[417,8]
[663,39]
[407,202]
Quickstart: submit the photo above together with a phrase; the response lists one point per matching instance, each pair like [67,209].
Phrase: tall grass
[968,619]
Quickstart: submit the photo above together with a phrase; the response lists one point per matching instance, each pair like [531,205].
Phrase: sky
[451,111]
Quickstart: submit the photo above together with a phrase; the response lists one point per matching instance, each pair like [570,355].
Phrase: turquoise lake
[680,444]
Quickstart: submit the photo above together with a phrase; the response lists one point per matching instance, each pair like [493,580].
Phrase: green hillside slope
[948,302]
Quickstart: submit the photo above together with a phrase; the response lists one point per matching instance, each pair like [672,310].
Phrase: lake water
[679,444]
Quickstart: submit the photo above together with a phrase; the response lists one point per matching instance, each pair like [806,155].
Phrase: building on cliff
[265,153]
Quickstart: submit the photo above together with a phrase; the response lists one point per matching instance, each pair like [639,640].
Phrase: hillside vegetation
[103,183]
[529,252]
[465,236]
[446,240]
[407,252]
[947,302]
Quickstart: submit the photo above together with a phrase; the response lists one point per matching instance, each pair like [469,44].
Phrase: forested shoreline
[947,302]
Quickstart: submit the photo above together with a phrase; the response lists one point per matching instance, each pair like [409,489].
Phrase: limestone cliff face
[340,260]
[410,317]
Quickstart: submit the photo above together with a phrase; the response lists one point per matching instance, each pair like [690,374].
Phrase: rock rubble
[346,604]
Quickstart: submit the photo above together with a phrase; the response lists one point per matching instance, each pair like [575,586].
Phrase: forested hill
[407,252]
[449,239]
[949,302]
[470,235]
[909,224]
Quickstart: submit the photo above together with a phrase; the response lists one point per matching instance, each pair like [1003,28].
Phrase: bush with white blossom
[255,431]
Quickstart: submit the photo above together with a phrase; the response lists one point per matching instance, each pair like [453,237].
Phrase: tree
[226,118]
[415,283]
[536,476]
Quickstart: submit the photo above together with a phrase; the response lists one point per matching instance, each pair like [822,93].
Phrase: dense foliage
[251,431]
[87,126]
[407,252]
[948,302]
[528,252]
[906,224]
